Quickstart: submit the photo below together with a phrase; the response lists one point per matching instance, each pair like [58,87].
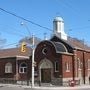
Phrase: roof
[78,44]
[14,52]
[60,47]
[72,42]
[58,19]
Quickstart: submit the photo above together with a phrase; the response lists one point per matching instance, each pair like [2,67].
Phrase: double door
[46,75]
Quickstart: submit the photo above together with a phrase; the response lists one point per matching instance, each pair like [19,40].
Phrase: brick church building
[58,60]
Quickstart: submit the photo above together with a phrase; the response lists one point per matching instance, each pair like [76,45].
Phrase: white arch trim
[45,63]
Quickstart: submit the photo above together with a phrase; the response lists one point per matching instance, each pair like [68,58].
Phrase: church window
[23,68]
[44,51]
[56,66]
[79,64]
[8,68]
[67,66]
[88,64]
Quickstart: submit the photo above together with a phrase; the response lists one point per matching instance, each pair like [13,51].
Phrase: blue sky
[76,15]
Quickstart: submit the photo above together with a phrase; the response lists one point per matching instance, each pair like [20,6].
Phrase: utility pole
[33,49]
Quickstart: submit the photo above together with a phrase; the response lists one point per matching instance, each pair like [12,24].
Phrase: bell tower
[58,28]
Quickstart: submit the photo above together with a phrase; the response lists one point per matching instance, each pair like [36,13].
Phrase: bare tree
[28,40]
[2,42]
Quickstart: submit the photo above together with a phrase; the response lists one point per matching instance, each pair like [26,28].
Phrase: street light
[33,49]
[24,24]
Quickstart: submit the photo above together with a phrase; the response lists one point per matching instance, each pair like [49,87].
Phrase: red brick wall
[87,56]
[67,58]
[3,61]
[24,76]
[50,55]
[83,56]
[27,75]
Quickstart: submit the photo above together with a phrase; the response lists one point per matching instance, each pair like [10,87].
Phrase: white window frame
[56,67]
[67,66]
[79,64]
[8,67]
[22,69]
[88,64]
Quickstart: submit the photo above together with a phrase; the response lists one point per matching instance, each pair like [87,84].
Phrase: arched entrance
[45,71]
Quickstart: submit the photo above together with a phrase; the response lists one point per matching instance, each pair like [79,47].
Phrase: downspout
[17,74]
[84,67]
[73,67]
[74,63]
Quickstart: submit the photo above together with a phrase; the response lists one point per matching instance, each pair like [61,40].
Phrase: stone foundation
[57,81]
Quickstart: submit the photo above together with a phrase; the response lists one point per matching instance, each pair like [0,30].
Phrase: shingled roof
[13,52]
[78,44]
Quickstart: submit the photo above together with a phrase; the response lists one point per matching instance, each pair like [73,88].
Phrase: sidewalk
[65,88]
[49,88]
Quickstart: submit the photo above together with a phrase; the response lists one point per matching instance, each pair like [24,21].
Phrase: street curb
[64,88]
[49,88]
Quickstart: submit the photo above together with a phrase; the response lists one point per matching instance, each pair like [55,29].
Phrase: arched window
[60,47]
[23,68]
[8,68]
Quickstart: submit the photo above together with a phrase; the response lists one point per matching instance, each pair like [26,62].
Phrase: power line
[80,28]
[6,27]
[8,45]
[69,6]
[25,19]
[14,33]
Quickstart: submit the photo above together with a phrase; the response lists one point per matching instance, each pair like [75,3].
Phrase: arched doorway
[45,71]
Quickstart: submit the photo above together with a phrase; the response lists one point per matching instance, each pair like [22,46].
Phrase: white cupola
[58,27]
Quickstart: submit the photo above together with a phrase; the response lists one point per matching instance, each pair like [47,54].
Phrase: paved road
[20,88]
[11,88]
